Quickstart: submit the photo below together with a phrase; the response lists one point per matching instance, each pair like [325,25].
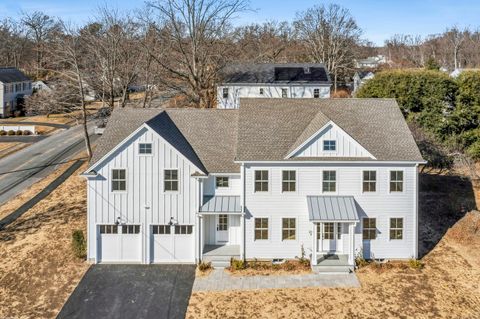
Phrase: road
[29,165]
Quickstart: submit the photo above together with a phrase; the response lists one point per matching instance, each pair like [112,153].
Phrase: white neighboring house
[360,78]
[332,177]
[371,62]
[14,86]
[41,86]
[293,80]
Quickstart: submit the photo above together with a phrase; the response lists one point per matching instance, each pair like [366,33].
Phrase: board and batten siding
[381,205]
[237,91]
[346,146]
[144,202]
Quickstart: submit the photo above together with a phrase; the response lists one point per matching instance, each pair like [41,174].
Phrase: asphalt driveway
[131,291]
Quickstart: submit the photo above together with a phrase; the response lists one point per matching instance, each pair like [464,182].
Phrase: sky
[379,19]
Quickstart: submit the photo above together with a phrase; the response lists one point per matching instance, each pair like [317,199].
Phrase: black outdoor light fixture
[172,221]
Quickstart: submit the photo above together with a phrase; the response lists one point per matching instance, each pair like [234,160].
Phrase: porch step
[332,269]
[219,261]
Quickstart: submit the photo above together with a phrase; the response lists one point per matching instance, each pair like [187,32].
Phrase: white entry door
[222,229]
[330,238]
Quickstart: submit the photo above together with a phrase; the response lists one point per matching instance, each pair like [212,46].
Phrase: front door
[222,229]
[330,238]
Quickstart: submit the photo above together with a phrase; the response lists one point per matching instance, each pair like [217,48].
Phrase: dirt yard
[38,270]
[448,287]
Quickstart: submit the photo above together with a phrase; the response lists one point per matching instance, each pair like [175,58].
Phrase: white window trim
[141,154]
[390,179]
[296,182]
[329,140]
[269,230]
[403,229]
[269,181]
[111,180]
[336,182]
[297,231]
[179,173]
[376,182]
[376,227]
[222,187]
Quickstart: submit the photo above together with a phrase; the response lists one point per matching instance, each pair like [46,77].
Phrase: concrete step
[208,258]
[332,269]
[220,264]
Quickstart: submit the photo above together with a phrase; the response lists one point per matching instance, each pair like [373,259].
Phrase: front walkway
[219,280]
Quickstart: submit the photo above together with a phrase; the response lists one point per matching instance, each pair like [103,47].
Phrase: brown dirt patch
[38,270]
[447,287]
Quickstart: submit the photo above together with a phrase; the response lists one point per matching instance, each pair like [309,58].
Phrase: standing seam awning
[332,208]
[221,204]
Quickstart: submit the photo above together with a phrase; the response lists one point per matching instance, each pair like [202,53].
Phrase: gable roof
[273,128]
[276,73]
[8,75]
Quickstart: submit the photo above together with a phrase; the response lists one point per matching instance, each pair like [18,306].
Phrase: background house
[306,80]
[14,86]
[360,78]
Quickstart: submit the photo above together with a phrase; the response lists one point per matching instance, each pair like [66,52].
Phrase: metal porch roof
[221,204]
[332,208]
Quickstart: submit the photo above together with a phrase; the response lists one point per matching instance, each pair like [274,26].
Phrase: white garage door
[172,244]
[122,243]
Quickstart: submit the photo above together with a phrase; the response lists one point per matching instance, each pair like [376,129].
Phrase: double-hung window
[119,180]
[261,181]
[170,180]
[329,145]
[261,228]
[289,229]
[396,181]
[396,228]
[329,183]
[145,148]
[221,182]
[369,181]
[289,181]
[369,228]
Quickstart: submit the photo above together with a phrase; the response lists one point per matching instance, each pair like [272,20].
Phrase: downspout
[242,200]
[415,207]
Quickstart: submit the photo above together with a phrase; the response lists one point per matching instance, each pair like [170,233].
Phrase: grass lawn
[38,270]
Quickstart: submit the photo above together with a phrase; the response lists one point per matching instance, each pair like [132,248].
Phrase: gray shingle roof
[271,128]
[8,75]
[275,73]
[332,208]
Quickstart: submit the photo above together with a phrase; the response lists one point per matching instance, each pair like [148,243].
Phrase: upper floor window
[396,228]
[396,181]
[369,181]
[225,93]
[369,228]
[171,179]
[289,181]
[316,93]
[221,181]
[261,91]
[119,180]
[289,229]
[329,145]
[261,228]
[145,148]
[329,183]
[284,93]
[261,181]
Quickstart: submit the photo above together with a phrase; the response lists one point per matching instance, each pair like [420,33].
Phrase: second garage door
[170,244]
[119,243]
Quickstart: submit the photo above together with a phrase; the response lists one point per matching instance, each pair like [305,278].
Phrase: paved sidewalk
[220,280]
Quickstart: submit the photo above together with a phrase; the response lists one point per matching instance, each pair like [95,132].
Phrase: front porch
[220,255]
[332,263]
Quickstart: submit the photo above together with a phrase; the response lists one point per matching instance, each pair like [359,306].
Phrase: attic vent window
[306,70]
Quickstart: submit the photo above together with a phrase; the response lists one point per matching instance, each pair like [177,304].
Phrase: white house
[14,86]
[360,77]
[334,178]
[294,80]
[371,62]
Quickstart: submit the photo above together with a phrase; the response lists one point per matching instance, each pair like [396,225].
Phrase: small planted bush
[236,264]
[3,132]
[79,244]
[27,132]
[415,264]
[19,132]
[11,132]
[204,266]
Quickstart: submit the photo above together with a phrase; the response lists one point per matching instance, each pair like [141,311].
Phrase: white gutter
[331,162]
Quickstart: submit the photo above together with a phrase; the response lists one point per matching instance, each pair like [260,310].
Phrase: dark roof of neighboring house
[267,130]
[362,74]
[276,73]
[8,75]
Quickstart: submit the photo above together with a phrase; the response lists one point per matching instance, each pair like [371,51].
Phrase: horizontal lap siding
[381,205]
[144,187]
[234,186]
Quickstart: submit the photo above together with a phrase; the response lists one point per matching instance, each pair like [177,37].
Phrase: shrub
[27,132]
[359,260]
[11,132]
[3,132]
[79,245]
[204,266]
[303,259]
[237,264]
[19,132]
[415,264]
[289,266]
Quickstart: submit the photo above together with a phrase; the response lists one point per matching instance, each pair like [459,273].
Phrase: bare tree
[330,33]
[456,38]
[193,44]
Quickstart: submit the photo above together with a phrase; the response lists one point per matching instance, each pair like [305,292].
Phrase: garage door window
[183,229]
[161,229]
[131,229]
[108,229]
